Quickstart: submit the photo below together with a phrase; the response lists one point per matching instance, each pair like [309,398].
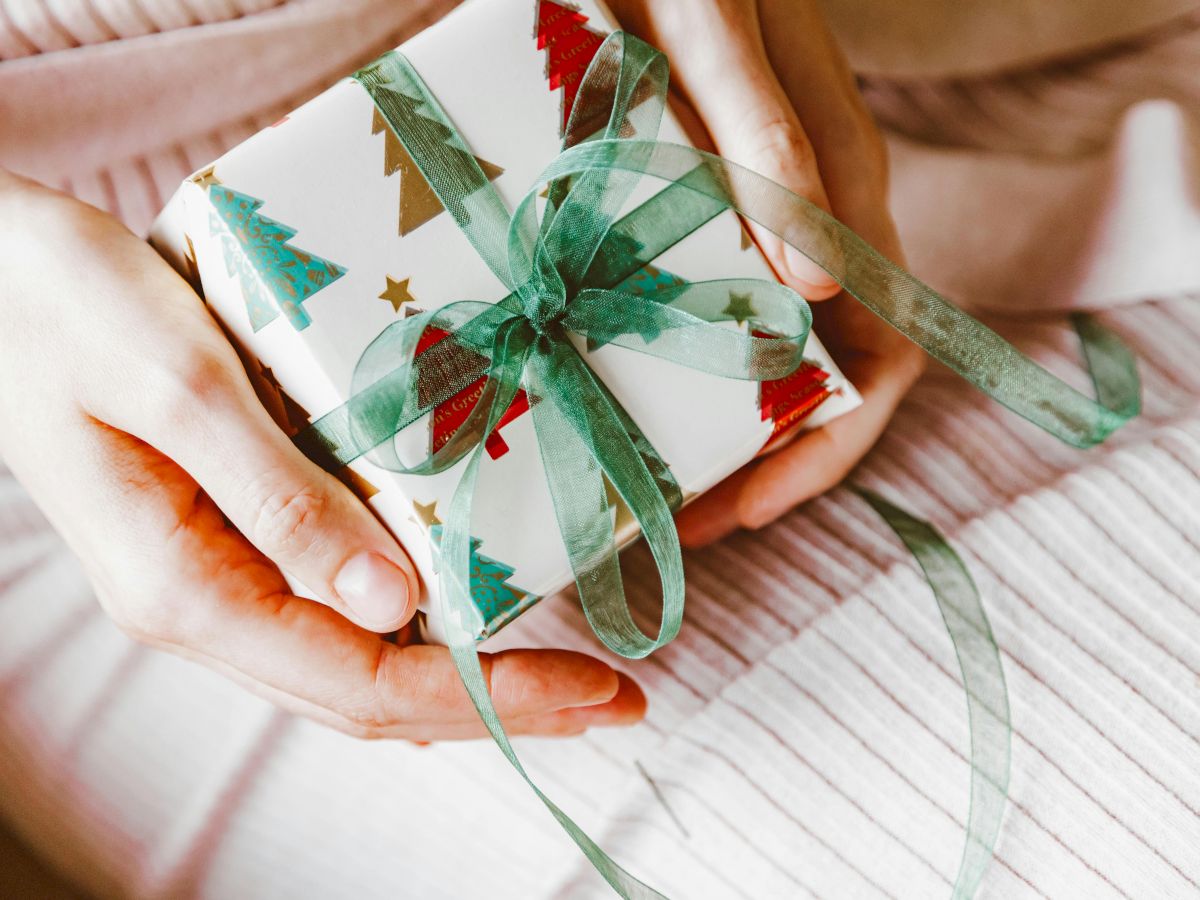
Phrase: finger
[177,575]
[370,688]
[821,88]
[714,513]
[717,53]
[816,460]
[882,364]
[627,708]
[193,401]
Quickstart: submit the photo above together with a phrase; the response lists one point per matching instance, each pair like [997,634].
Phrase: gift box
[313,237]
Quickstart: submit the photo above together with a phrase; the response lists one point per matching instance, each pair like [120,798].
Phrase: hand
[775,94]
[128,417]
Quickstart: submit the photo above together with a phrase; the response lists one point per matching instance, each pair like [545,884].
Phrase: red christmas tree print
[569,44]
[790,400]
[450,415]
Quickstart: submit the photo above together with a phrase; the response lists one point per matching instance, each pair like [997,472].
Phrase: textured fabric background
[807,732]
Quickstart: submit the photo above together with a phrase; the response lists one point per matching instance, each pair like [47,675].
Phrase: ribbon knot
[543,303]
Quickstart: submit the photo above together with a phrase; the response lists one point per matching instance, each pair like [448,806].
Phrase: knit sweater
[807,732]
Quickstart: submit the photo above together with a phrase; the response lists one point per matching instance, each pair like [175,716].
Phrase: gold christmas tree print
[625,526]
[361,486]
[418,202]
[193,269]
[295,417]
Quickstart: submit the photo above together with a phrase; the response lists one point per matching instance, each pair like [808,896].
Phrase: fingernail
[804,269]
[374,588]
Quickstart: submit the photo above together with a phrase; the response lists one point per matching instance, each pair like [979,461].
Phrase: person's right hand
[128,417]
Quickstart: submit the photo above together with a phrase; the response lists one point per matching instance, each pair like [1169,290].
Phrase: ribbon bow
[564,270]
[564,266]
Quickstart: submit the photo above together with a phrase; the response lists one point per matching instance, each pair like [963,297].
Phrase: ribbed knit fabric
[807,729]
[807,732]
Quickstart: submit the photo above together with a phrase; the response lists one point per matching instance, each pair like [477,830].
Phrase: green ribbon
[983,679]
[563,265]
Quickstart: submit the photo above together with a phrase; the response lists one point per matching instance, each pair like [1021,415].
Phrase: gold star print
[740,308]
[397,293]
[269,377]
[427,513]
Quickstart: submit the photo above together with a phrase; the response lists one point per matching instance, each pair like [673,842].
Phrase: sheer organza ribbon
[563,262]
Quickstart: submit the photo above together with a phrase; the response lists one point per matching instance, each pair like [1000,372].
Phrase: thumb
[723,69]
[199,409]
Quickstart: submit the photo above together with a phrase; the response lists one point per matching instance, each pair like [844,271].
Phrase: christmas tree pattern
[497,600]
[570,45]
[295,417]
[788,401]
[625,526]
[275,276]
[450,415]
[418,202]
[192,275]
[361,486]
[645,282]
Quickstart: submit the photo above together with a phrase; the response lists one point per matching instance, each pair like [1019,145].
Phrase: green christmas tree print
[275,275]
[645,282]
[495,598]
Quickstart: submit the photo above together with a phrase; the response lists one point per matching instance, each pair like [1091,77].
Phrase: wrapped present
[315,238]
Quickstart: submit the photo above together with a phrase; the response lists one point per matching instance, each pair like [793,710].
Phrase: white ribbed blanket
[807,732]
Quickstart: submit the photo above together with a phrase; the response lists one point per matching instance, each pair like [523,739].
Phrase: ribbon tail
[460,616]
[1111,365]
[466,659]
[983,679]
[948,334]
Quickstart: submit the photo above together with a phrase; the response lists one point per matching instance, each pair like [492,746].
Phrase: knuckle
[195,378]
[774,143]
[755,519]
[288,519]
[147,616]
[777,139]
[369,714]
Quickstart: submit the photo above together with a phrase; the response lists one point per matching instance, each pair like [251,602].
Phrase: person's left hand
[775,94]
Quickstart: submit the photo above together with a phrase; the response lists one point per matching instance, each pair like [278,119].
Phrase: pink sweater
[806,733]
[116,101]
